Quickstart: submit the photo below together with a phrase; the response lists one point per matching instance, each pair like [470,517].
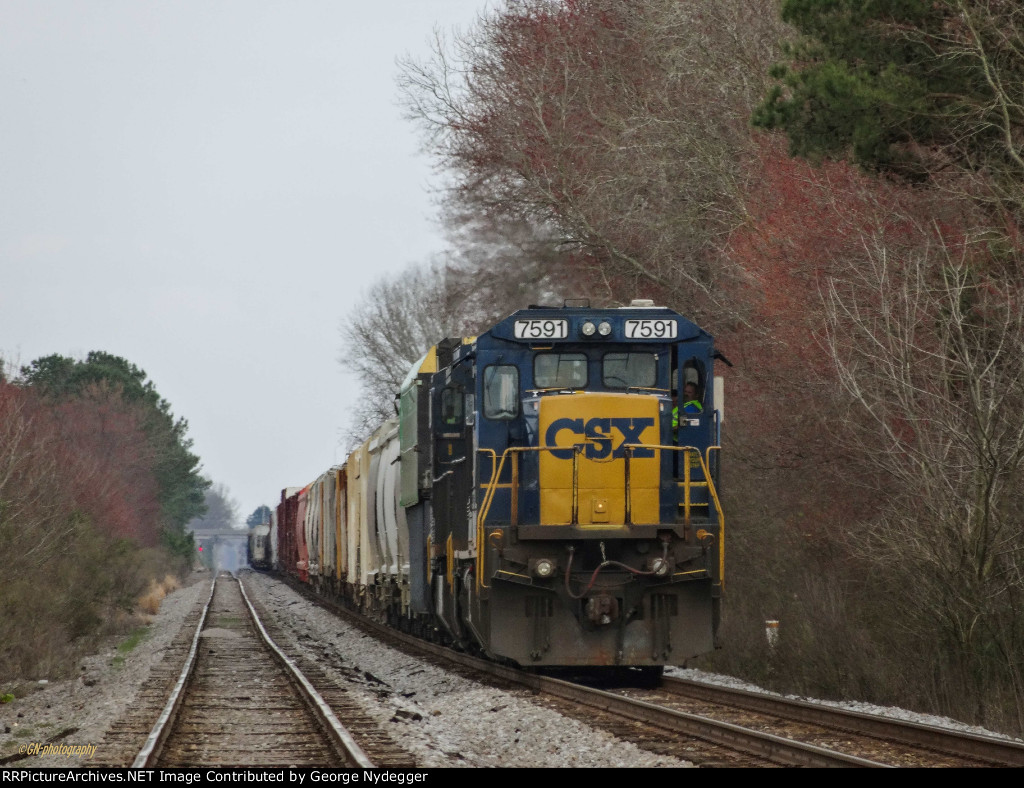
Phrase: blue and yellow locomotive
[560,507]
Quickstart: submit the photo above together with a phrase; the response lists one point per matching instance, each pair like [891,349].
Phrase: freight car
[540,498]
[259,553]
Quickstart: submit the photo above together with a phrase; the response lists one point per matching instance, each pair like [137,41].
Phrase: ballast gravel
[443,720]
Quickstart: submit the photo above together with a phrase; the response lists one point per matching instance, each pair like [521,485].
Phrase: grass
[133,640]
[150,601]
[129,643]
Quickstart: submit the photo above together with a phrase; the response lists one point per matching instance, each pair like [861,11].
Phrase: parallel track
[240,701]
[227,695]
[961,747]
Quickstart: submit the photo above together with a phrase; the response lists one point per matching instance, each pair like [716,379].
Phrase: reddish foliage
[580,116]
[805,224]
[99,455]
[116,484]
[809,224]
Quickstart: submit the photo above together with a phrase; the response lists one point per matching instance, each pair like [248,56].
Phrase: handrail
[514,452]
[450,557]
[485,505]
[712,491]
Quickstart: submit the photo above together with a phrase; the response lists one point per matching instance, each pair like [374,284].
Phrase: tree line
[833,189]
[97,483]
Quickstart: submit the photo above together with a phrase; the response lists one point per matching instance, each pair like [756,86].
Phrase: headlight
[543,567]
[605,328]
[588,329]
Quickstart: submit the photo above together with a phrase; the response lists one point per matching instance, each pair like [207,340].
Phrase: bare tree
[222,511]
[397,322]
[33,505]
[929,346]
[69,515]
[622,126]
[982,109]
[503,261]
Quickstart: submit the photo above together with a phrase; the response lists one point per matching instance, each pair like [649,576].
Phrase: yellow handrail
[485,505]
[721,517]
[712,490]
[496,468]
[451,562]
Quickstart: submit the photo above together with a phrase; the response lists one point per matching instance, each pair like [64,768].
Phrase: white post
[771,631]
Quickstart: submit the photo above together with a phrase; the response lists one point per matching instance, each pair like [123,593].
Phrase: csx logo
[599,437]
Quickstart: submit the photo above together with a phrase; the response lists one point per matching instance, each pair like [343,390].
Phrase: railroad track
[877,740]
[240,700]
[903,739]
[715,729]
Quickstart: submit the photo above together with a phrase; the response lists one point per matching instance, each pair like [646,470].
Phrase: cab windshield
[629,370]
[560,370]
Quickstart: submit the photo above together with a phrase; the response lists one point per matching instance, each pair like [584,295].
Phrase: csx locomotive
[540,498]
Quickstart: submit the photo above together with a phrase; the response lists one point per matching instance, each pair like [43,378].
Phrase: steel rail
[340,738]
[776,749]
[337,732]
[162,727]
[965,744]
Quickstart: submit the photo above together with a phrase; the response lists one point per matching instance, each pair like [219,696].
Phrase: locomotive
[540,498]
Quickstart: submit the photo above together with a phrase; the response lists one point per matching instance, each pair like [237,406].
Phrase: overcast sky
[206,188]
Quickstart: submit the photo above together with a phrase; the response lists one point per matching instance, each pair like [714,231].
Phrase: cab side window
[451,407]
[693,381]
[501,392]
